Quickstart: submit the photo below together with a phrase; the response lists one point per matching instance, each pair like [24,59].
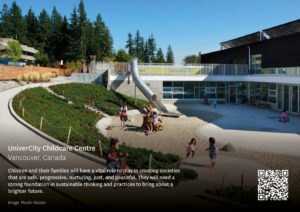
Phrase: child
[215,103]
[213,151]
[123,115]
[285,117]
[155,120]
[114,156]
[191,148]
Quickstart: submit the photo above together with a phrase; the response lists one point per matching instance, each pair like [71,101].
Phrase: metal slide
[146,90]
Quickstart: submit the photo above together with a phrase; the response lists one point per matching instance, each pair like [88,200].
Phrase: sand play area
[248,158]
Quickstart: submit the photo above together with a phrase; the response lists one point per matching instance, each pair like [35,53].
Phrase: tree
[151,48]
[122,56]
[137,44]
[99,28]
[5,22]
[18,30]
[129,44]
[32,25]
[91,45]
[44,32]
[41,59]
[199,58]
[73,53]
[65,39]
[56,36]
[160,56]
[170,56]
[107,44]
[192,59]
[14,50]
[82,19]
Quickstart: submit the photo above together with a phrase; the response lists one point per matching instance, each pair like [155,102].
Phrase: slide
[146,90]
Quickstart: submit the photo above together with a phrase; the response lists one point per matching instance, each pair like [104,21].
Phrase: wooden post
[23,111]
[100,148]
[150,160]
[242,181]
[41,123]
[69,134]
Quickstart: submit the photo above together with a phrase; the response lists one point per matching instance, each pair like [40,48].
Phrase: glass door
[295,99]
[286,95]
[279,97]
[232,93]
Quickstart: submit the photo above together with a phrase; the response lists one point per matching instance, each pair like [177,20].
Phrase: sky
[189,26]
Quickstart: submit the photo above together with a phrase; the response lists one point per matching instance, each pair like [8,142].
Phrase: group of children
[213,150]
[152,121]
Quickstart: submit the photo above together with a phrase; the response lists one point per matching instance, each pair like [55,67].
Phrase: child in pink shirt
[191,148]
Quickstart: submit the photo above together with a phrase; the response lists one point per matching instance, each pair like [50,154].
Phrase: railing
[194,69]
[289,70]
[169,69]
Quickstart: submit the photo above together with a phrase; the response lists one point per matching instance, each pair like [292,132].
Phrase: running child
[191,148]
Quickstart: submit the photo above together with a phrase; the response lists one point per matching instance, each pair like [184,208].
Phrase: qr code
[273,185]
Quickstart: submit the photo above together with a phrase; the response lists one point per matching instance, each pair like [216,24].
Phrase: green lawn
[58,115]
[97,95]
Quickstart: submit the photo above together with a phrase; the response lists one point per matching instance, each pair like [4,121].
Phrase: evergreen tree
[65,39]
[170,56]
[151,48]
[137,44]
[160,56]
[32,25]
[146,52]
[5,22]
[56,36]
[199,58]
[44,32]
[107,44]
[129,44]
[73,53]
[82,19]
[91,45]
[18,30]
[99,28]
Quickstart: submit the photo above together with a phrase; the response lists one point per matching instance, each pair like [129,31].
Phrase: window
[210,90]
[167,89]
[167,84]
[178,89]
[167,95]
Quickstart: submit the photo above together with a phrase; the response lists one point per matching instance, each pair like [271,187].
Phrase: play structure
[146,90]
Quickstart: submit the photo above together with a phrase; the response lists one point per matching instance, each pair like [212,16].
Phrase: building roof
[247,39]
[273,32]
[283,29]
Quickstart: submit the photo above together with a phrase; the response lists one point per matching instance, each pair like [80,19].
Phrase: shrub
[19,78]
[189,173]
[46,77]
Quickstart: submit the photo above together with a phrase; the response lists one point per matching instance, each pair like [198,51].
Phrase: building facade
[27,55]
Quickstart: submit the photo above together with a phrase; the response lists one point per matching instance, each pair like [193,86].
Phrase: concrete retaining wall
[124,84]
